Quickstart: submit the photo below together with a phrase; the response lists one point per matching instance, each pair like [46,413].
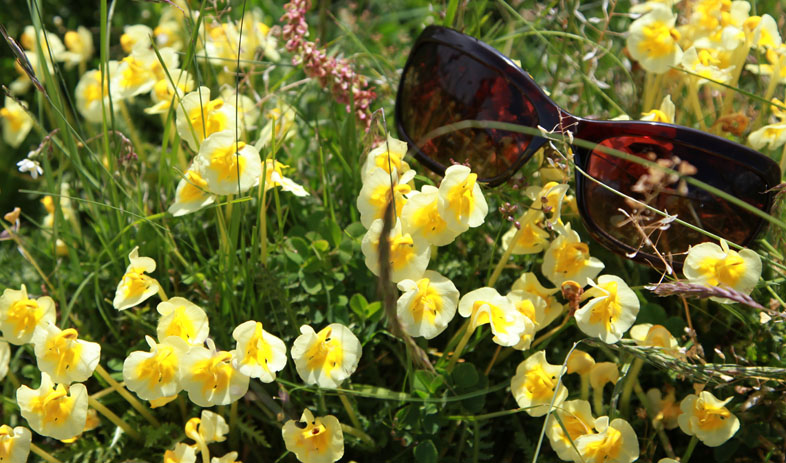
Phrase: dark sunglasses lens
[669,193]
[441,86]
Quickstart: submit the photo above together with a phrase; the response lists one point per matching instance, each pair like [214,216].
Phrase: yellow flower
[420,217]
[209,377]
[705,64]
[576,417]
[92,422]
[14,444]
[52,410]
[461,202]
[326,358]
[156,374]
[534,386]
[92,94]
[230,457]
[64,357]
[272,170]
[198,117]
[281,121]
[532,239]
[191,194]
[653,40]
[16,122]
[548,199]
[666,409]
[533,309]
[138,72]
[580,362]
[529,284]
[184,319]
[665,113]
[164,91]
[603,373]
[486,306]
[5,358]
[647,334]
[135,36]
[80,46]
[378,190]
[388,156]
[20,316]
[314,439]
[182,453]
[248,112]
[258,354]
[427,305]
[567,258]
[707,418]
[615,442]
[773,136]
[765,32]
[611,311]
[135,287]
[227,165]
[409,255]
[208,428]
[712,265]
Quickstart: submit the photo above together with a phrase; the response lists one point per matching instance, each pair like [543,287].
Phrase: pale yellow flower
[611,311]
[135,287]
[567,258]
[274,176]
[772,136]
[208,428]
[182,453]
[63,356]
[653,40]
[461,202]
[168,33]
[16,122]
[156,374]
[615,442]
[51,45]
[80,46]
[532,238]
[5,359]
[529,284]
[136,36]
[191,194]
[378,190]
[580,362]
[420,217]
[707,418]
[209,377]
[706,64]
[54,411]
[198,117]
[248,112]
[534,386]
[314,439]
[486,306]
[409,255]
[184,319]
[548,199]
[14,444]
[765,32]
[326,358]
[712,265]
[20,315]
[138,72]
[165,90]
[667,410]
[665,113]
[280,122]
[603,373]
[533,309]
[427,305]
[258,354]
[92,95]
[649,335]
[228,166]
[388,156]
[230,457]
[576,417]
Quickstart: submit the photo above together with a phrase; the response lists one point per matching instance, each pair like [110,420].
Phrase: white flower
[33,167]
[427,305]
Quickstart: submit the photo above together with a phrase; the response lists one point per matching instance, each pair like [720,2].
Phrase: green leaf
[426,452]
[465,375]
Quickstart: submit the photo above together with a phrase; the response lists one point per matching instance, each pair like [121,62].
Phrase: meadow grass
[289,261]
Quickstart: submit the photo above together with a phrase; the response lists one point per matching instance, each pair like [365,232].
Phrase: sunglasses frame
[552,116]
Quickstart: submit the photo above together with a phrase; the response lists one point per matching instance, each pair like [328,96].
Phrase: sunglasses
[450,77]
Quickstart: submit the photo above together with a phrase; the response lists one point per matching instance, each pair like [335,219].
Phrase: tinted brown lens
[443,85]
[669,193]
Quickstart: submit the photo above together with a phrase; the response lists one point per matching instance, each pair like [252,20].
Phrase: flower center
[24,315]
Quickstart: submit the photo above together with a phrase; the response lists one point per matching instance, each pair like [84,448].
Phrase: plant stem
[359,434]
[597,400]
[692,445]
[132,133]
[43,454]
[693,96]
[461,345]
[138,406]
[161,293]
[350,411]
[630,380]
[551,332]
[585,386]
[116,420]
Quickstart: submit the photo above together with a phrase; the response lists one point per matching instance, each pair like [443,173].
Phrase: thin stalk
[551,332]
[43,454]
[116,420]
[132,133]
[350,411]
[353,431]
[504,259]
[138,406]
[585,386]
[773,83]
[493,360]
[597,400]
[656,423]
[693,96]
[162,293]
[233,429]
[461,345]
[783,159]
[630,380]
[689,451]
